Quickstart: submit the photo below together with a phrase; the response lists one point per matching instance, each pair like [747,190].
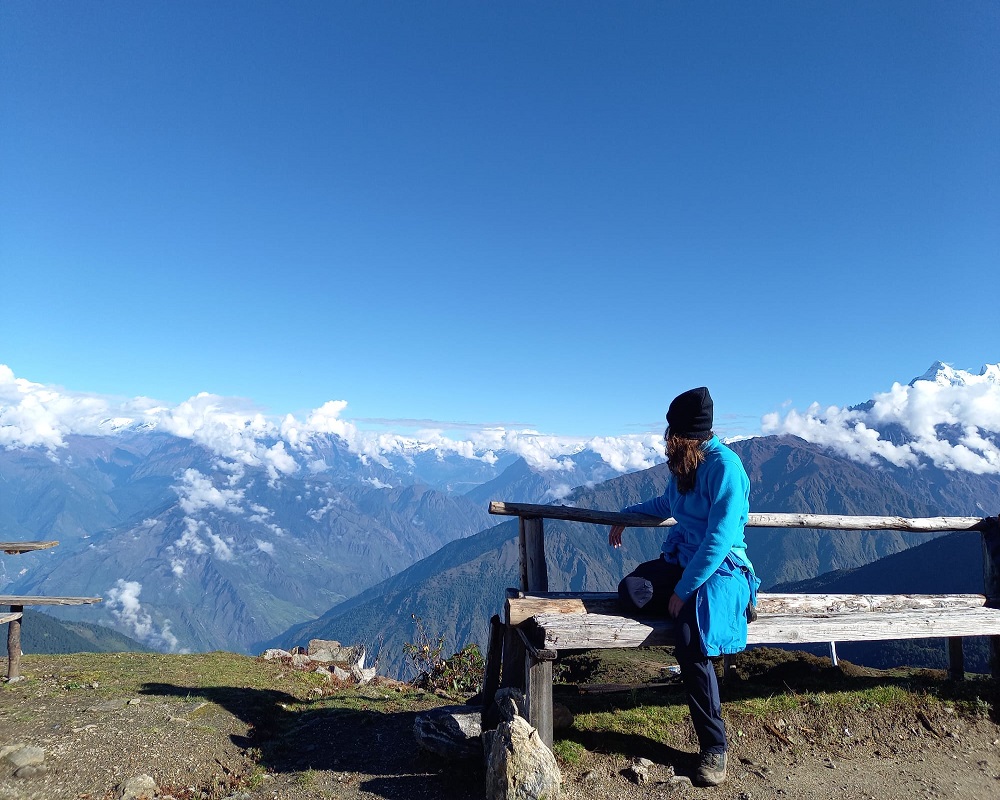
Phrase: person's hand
[615,537]
[675,605]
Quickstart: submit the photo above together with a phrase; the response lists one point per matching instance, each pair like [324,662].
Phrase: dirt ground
[258,732]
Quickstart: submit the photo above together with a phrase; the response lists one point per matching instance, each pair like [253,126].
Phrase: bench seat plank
[25,547]
[583,631]
[19,600]
[522,608]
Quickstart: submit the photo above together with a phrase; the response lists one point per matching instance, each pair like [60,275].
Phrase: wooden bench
[538,624]
[16,603]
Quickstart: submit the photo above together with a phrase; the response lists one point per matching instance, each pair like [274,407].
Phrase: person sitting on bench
[703,578]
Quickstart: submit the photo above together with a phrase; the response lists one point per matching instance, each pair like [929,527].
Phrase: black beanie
[690,414]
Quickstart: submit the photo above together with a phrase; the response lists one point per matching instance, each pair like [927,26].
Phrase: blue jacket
[708,542]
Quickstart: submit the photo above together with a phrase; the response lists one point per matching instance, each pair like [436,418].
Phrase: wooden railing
[534,571]
[539,623]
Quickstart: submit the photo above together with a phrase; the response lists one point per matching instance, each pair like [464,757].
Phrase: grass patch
[568,751]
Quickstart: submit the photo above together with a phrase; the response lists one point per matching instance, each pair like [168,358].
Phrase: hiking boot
[711,769]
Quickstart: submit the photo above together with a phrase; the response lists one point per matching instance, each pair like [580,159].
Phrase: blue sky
[554,215]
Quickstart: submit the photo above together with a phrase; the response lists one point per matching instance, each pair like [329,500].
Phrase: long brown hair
[684,456]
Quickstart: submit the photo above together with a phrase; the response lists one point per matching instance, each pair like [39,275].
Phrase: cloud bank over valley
[947,417]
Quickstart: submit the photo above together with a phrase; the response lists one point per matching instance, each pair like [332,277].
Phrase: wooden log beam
[520,609]
[587,631]
[25,600]
[13,548]
[757,520]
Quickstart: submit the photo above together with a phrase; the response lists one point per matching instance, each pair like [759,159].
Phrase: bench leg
[956,659]
[512,674]
[494,656]
[538,696]
[14,646]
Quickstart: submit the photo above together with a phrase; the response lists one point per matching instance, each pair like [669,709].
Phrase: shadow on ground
[375,748]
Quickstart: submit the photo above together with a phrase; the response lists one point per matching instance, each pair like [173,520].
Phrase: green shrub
[460,672]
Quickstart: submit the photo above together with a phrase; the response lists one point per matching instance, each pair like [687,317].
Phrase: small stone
[362,675]
[643,762]
[179,721]
[273,653]
[562,717]
[10,748]
[26,756]
[30,771]
[108,705]
[134,701]
[141,787]
[299,660]
[590,775]
[636,773]
[680,780]
[341,674]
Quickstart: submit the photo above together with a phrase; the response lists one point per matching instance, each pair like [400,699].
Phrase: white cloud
[190,540]
[123,602]
[196,493]
[35,415]
[945,416]
[265,547]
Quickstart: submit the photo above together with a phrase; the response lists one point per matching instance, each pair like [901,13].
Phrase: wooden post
[494,656]
[956,659]
[833,655]
[534,573]
[14,646]
[522,553]
[512,671]
[538,693]
[990,528]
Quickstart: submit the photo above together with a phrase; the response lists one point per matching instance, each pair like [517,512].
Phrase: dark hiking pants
[702,686]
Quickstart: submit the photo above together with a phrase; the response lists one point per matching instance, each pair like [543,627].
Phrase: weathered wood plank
[756,520]
[606,603]
[494,656]
[10,617]
[19,600]
[538,696]
[585,631]
[535,573]
[12,548]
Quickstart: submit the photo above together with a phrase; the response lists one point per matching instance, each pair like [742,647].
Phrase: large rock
[519,766]
[329,650]
[450,731]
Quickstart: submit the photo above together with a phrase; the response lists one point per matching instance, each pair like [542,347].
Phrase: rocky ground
[224,726]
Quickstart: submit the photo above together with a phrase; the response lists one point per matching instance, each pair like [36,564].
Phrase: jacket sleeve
[657,507]
[729,493]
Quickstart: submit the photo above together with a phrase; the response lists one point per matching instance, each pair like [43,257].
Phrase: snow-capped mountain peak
[946,375]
